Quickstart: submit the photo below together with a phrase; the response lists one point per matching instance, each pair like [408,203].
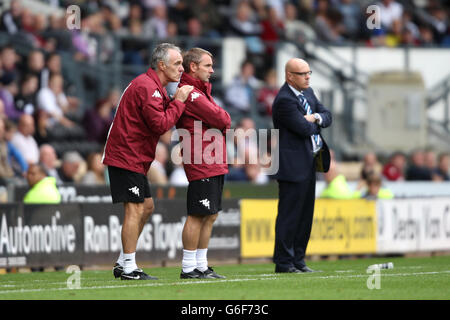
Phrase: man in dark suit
[299,117]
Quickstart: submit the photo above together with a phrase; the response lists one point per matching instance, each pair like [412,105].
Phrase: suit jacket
[296,157]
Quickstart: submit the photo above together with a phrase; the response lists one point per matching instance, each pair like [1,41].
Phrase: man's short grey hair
[161,53]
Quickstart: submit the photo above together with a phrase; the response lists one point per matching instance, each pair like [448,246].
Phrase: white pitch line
[137,285]
[213,281]
[383,274]
[37,281]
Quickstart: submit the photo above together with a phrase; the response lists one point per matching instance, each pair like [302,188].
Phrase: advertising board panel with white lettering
[90,233]
[413,225]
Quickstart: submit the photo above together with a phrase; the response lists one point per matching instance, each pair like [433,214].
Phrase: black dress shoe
[286,270]
[307,269]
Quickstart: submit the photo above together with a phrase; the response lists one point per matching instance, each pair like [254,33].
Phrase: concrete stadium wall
[431,63]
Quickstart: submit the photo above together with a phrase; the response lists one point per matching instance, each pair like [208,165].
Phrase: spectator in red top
[144,113]
[205,168]
[394,170]
[267,93]
[272,29]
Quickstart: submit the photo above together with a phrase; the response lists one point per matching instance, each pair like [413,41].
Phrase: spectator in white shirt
[54,102]
[23,139]
[240,93]
[390,11]
[156,25]
[178,177]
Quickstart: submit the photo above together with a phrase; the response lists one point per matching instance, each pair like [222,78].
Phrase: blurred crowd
[419,165]
[43,122]
[260,22]
[425,21]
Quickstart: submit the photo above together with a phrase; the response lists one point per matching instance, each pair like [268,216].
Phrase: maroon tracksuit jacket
[200,106]
[144,113]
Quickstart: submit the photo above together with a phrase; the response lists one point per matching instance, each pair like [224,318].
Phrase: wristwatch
[317,117]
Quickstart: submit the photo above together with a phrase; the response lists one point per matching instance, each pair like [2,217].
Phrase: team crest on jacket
[156,94]
[194,95]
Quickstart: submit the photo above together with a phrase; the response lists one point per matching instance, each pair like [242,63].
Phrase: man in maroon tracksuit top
[205,167]
[144,113]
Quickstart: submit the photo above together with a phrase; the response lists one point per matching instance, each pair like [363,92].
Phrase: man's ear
[162,65]
[193,66]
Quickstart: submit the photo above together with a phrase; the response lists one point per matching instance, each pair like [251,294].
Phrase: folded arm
[160,120]
[287,114]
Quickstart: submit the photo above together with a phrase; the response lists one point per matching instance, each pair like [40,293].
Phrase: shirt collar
[203,86]
[296,92]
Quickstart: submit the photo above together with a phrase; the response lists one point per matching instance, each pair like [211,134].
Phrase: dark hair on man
[246,62]
[7,46]
[443,155]
[373,179]
[193,55]
[27,77]
[41,168]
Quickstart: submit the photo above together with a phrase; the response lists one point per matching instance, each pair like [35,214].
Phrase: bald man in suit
[299,116]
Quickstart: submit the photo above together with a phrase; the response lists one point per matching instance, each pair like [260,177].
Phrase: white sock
[129,262]
[189,262]
[120,259]
[202,261]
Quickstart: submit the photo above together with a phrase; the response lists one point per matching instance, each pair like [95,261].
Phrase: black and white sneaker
[137,274]
[117,270]
[211,274]
[194,274]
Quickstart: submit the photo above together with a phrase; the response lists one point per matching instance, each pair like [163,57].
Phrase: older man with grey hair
[71,162]
[49,159]
[144,113]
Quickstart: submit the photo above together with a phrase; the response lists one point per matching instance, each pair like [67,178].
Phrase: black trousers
[294,222]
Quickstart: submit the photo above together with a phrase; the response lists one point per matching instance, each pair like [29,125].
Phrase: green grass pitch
[411,278]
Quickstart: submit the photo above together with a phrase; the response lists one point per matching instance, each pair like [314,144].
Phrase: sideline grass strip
[411,278]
